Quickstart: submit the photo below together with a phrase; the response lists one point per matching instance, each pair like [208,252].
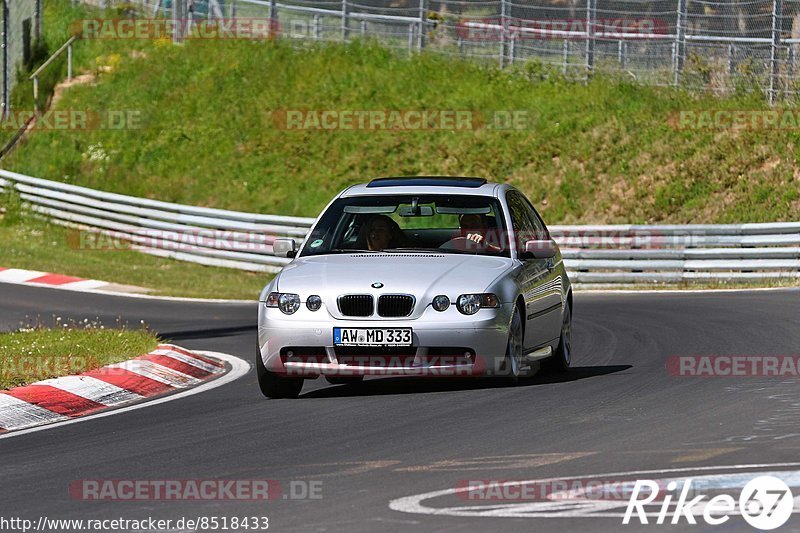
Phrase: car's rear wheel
[349,380]
[513,358]
[273,385]
[560,361]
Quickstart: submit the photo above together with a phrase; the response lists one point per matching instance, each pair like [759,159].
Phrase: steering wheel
[463,244]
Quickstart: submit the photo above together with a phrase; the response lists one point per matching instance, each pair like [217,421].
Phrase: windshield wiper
[412,250]
[347,251]
[429,250]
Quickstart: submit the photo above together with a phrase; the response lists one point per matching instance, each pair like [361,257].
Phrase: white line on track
[413,504]
[239,367]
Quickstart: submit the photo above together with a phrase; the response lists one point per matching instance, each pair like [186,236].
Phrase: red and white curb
[34,277]
[166,369]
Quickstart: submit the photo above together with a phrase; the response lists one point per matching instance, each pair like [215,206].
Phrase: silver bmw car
[435,276]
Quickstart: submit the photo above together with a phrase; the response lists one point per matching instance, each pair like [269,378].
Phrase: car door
[552,290]
[538,280]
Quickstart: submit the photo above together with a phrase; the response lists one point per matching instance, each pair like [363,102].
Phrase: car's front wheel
[562,358]
[513,358]
[273,385]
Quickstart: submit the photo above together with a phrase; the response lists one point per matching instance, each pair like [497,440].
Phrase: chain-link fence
[21,31]
[715,45]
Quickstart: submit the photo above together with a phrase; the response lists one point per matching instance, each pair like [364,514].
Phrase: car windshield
[456,224]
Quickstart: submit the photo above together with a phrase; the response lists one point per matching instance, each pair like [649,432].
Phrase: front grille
[356,305]
[395,305]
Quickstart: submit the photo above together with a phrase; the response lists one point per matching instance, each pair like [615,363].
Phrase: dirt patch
[83,79]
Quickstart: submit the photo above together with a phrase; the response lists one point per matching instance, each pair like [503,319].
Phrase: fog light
[441,302]
[314,302]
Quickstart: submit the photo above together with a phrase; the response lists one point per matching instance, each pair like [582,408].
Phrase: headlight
[441,302]
[469,304]
[287,302]
[314,302]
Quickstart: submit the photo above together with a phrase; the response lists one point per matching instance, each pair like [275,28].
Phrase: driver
[474,228]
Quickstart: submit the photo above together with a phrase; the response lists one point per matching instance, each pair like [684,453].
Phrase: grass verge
[32,244]
[37,353]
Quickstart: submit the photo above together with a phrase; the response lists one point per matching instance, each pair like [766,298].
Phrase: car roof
[424,185]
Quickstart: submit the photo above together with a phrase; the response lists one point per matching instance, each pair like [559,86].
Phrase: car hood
[423,275]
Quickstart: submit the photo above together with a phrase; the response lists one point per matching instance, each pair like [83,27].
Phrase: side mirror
[284,247]
[545,249]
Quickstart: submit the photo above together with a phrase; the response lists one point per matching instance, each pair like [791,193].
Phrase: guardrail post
[503,31]
[565,56]
[679,46]
[345,21]
[178,21]
[410,38]
[6,63]
[273,16]
[777,17]
[316,31]
[363,26]
[422,23]
[512,49]
[590,20]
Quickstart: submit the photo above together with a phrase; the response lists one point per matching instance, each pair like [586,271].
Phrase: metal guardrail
[604,254]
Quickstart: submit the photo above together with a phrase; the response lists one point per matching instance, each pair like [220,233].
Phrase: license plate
[372,336]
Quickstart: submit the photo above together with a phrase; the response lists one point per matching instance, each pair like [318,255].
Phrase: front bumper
[444,344]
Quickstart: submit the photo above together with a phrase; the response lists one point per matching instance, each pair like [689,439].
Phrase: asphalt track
[618,410]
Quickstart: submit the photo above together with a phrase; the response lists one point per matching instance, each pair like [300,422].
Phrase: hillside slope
[211,133]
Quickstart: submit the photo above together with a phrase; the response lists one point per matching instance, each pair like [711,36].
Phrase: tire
[349,380]
[513,358]
[562,358]
[274,386]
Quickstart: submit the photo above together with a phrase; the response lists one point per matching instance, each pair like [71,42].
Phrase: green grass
[603,152]
[35,353]
[598,153]
[35,245]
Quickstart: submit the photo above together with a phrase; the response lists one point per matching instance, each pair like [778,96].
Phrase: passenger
[381,232]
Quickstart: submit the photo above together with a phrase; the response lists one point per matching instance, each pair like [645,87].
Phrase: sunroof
[428,181]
